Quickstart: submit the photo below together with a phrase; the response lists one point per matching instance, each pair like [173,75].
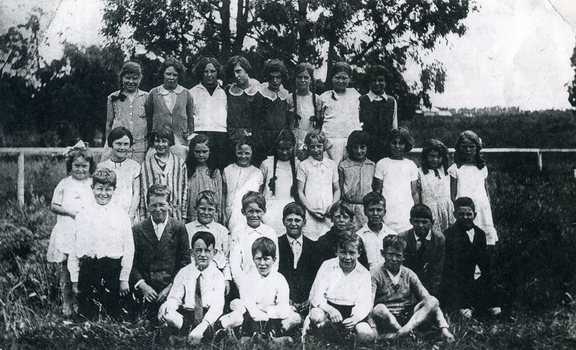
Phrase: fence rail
[22,152]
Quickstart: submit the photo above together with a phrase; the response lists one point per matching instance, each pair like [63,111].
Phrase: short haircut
[293,208]
[357,137]
[118,133]
[158,190]
[341,206]
[464,202]
[253,197]
[404,134]
[104,176]
[374,71]
[373,198]
[264,245]
[130,68]
[207,237]
[241,141]
[274,66]
[341,67]
[394,241]
[315,135]
[204,61]
[163,132]
[73,154]
[172,62]
[232,62]
[350,239]
[209,197]
[421,211]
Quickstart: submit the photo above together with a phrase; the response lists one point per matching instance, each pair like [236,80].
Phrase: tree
[572,86]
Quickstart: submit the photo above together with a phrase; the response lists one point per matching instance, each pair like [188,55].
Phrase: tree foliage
[572,85]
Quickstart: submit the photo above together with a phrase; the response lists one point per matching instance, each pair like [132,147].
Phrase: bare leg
[443,325]
[384,317]
[364,333]
[423,310]
[236,317]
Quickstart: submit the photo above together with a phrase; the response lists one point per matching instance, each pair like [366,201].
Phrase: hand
[124,288]
[162,311]
[334,315]
[164,294]
[301,307]
[349,323]
[226,287]
[149,293]
[75,287]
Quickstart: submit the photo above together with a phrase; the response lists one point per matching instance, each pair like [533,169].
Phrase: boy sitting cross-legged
[396,288]
[196,299]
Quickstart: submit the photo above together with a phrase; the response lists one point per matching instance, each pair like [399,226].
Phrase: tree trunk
[302,42]
[225,30]
[241,25]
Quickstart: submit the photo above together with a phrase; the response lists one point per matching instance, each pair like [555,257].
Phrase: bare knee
[381,312]
[364,333]
[432,302]
[317,316]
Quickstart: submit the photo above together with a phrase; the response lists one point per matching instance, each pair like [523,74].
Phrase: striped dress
[174,176]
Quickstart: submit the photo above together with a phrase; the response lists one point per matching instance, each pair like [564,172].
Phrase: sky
[515,53]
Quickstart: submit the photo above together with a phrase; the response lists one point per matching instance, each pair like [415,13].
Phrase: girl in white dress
[434,184]
[468,179]
[397,179]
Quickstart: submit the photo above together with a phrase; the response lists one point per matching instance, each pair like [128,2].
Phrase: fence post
[21,178]
[539,154]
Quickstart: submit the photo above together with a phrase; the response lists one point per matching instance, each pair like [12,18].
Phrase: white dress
[435,192]
[397,176]
[239,181]
[470,183]
[126,172]
[275,203]
[73,195]
[341,117]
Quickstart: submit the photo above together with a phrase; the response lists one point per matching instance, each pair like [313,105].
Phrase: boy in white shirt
[196,299]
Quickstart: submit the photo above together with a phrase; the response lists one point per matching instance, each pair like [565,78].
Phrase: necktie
[420,252]
[297,250]
[198,308]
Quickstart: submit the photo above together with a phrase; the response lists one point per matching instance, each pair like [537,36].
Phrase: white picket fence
[26,151]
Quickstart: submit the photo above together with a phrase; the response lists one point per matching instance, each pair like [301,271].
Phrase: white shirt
[419,241]
[270,294]
[210,111]
[170,96]
[296,245]
[394,278]
[221,246]
[373,243]
[470,234]
[241,262]
[159,228]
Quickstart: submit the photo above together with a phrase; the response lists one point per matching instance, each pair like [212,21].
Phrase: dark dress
[377,119]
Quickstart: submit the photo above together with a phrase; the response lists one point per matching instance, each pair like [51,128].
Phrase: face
[202,254]
[340,81]
[378,84]
[359,152]
[347,257]
[316,149]
[130,82]
[342,221]
[465,216]
[80,168]
[434,159]
[274,81]
[285,150]
[205,212]
[375,213]
[243,156]
[210,75]
[158,207]
[254,214]
[201,153]
[120,148]
[102,193]
[303,80]
[393,259]
[161,145]
[294,224]
[467,149]
[170,78]
[421,226]
[263,263]
[240,75]
[397,148]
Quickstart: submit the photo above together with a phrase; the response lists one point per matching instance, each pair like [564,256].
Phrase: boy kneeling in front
[395,288]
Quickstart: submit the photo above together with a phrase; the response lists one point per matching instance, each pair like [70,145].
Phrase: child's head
[158,198]
[348,249]
[399,142]
[465,212]
[294,219]
[254,208]
[376,78]
[162,138]
[206,206]
[393,247]
[467,149]
[200,155]
[342,216]
[374,208]
[80,164]
[207,71]
[357,144]
[202,249]
[103,185]
[243,151]
[341,74]
[238,70]
[284,145]
[434,156]
[264,255]
[316,144]
[130,77]
[421,219]
[120,140]
[171,70]
[274,73]
[304,76]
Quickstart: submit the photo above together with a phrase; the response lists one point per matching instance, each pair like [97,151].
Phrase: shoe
[494,311]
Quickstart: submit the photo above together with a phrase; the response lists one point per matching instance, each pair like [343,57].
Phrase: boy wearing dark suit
[161,249]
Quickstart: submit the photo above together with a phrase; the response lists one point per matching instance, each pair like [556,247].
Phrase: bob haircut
[404,135]
[438,146]
[104,176]
[421,211]
[264,245]
[472,137]
[253,197]
[341,67]
[75,153]
[163,132]
[232,62]
[118,133]
[130,68]
[464,202]
[357,137]
[315,135]
[341,206]
[353,239]
[373,198]
[293,208]
[394,241]
[204,61]
[374,71]
[172,62]
[158,190]
[205,236]
[209,197]
[274,66]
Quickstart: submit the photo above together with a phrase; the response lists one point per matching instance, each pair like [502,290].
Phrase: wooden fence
[25,151]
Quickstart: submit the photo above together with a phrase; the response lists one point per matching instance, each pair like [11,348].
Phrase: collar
[373,97]
[251,90]
[198,224]
[202,87]
[348,163]
[155,225]
[299,239]
[427,238]
[282,93]
[318,162]
[162,91]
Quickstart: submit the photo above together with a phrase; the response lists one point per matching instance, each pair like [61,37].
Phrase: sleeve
[80,224]
[317,298]
[282,308]
[290,103]
[335,174]
[301,172]
[178,291]
[183,248]
[395,115]
[364,301]
[143,190]
[248,295]
[190,111]
[417,287]
[58,195]
[453,171]
[128,243]
[184,189]
[109,116]
[484,172]
[149,110]
[413,171]
[135,274]
[437,266]
[379,173]
[236,262]
[264,170]
[260,177]
[217,306]
[375,282]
